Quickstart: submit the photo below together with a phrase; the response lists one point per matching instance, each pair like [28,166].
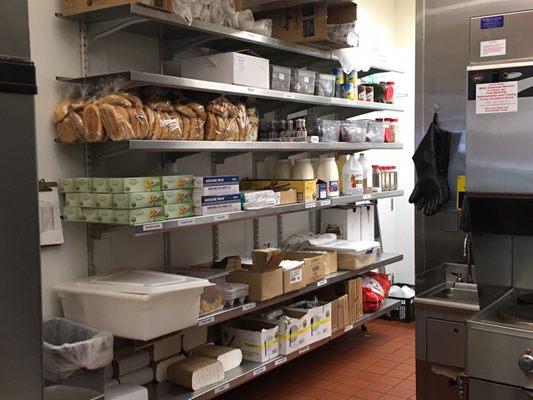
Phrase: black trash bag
[432,158]
[69,347]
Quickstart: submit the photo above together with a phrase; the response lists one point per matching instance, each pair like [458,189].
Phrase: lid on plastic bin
[139,282]
[346,245]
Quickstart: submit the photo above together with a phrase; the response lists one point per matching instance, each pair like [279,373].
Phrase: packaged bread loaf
[168,124]
[68,116]
[253,124]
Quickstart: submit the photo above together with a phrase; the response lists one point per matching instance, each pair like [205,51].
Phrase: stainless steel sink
[461,292]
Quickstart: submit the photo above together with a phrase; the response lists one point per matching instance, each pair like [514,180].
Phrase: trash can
[70,350]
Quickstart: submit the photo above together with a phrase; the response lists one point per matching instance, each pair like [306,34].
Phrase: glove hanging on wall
[431,159]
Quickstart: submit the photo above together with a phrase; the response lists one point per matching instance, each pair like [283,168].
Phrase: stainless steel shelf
[226,314]
[249,370]
[110,149]
[178,36]
[267,99]
[176,224]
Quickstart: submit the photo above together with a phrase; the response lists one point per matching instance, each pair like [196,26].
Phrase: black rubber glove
[442,143]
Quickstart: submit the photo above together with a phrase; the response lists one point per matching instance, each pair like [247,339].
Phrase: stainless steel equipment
[499,170]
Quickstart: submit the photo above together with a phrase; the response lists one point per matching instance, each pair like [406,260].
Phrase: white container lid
[346,245]
[137,282]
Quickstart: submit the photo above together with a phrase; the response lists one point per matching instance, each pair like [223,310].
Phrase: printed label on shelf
[325,203]
[222,388]
[251,89]
[493,48]
[248,306]
[289,96]
[223,217]
[493,98]
[251,35]
[303,350]
[280,361]
[152,227]
[348,328]
[311,204]
[185,222]
[315,139]
[321,283]
[259,370]
[367,196]
[205,321]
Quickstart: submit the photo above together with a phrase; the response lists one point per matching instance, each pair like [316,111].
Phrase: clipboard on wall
[50,227]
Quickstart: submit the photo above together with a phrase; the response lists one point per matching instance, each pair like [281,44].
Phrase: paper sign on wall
[501,97]
[493,48]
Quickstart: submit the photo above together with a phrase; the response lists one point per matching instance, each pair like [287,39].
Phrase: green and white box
[140,215]
[173,211]
[87,200]
[137,200]
[72,214]
[73,199]
[67,185]
[135,185]
[183,196]
[90,214]
[83,185]
[176,182]
[101,185]
[103,200]
[106,216]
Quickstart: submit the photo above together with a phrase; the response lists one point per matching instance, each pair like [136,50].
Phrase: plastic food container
[235,293]
[280,78]
[376,132]
[303,81]
[213,296]
[353,131]
[328,131]
[325,85]
[352,255]
[138,305]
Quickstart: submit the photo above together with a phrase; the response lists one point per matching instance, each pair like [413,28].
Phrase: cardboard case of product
[262,257]
[233,68]
[319,317]
[294,279]
[305,189]
[196,372]
[314,264]
[229,357]
[258,341]
[263,285]
[70,7]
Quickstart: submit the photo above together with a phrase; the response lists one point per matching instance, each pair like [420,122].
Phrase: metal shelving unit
[250,370]
[228,313]
[268,100]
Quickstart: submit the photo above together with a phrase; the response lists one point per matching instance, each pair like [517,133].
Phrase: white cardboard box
[345,222]
[319,319]
[234,68]
[258,341]
[367,223]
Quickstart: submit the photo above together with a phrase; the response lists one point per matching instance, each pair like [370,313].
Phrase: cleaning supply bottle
[367,173]
[352,177]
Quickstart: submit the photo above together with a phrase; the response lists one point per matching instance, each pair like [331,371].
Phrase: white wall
[55,50]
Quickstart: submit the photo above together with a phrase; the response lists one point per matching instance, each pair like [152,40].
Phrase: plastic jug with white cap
[327,171]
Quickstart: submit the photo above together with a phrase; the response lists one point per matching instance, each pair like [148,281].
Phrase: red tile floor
[377,364]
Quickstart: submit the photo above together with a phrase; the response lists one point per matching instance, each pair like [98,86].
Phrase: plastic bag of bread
[167,123]
[222,122]
[197,123]
[122,116]
[68,118]
[253,124]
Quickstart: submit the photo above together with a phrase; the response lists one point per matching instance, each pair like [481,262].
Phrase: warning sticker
[499,97]
[493,48]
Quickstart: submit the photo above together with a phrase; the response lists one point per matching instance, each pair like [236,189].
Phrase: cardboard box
[287,197]
[212,205]
[257,340]
[129,201]
[344,221]
[331,262]
[359,298]
[293,278]
[135,184]
[263,285]
[319,317]
[73,199]
[261,258]
[177,182]
[305,189]
[173,211]
[233,68]
[308,24]
[106,216]
[314,264]
[139,216]
[101,185]
[70,7]
[83,185]
[339,313]
[72,214]
[367,222]
[103,200]
[178,196]
[67,185]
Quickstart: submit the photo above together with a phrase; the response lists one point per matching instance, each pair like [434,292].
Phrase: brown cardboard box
[265,259]
[294,279]
[314,264]
[263,285]
[359,297]
[331,262]
[288,197]
[339,313]
[351,292]
[308,24]
[70,7]
[305,189]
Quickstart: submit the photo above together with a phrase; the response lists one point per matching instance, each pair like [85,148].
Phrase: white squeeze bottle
[352,177]
[367,173]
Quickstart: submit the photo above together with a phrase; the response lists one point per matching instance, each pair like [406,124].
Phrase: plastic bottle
[327,171]
[367,173]
[352,177]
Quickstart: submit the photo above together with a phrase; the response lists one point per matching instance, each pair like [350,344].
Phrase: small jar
[388,95]
[361,93]
[385,182]
[376,178]
[394,178]
[395,128]
[369,91]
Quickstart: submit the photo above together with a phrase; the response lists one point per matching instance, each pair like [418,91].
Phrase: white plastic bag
[69,347]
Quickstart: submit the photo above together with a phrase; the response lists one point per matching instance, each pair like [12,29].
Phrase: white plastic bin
[138,305]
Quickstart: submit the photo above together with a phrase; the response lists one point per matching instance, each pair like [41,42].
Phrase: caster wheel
[364,328]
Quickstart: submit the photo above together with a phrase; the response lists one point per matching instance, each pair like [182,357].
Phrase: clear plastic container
[138,305]
[325,85]
[376,178]
[235,293]
[213,296]
[280,78]
[303,81]
[328,131]
[376,132]
[353,131]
